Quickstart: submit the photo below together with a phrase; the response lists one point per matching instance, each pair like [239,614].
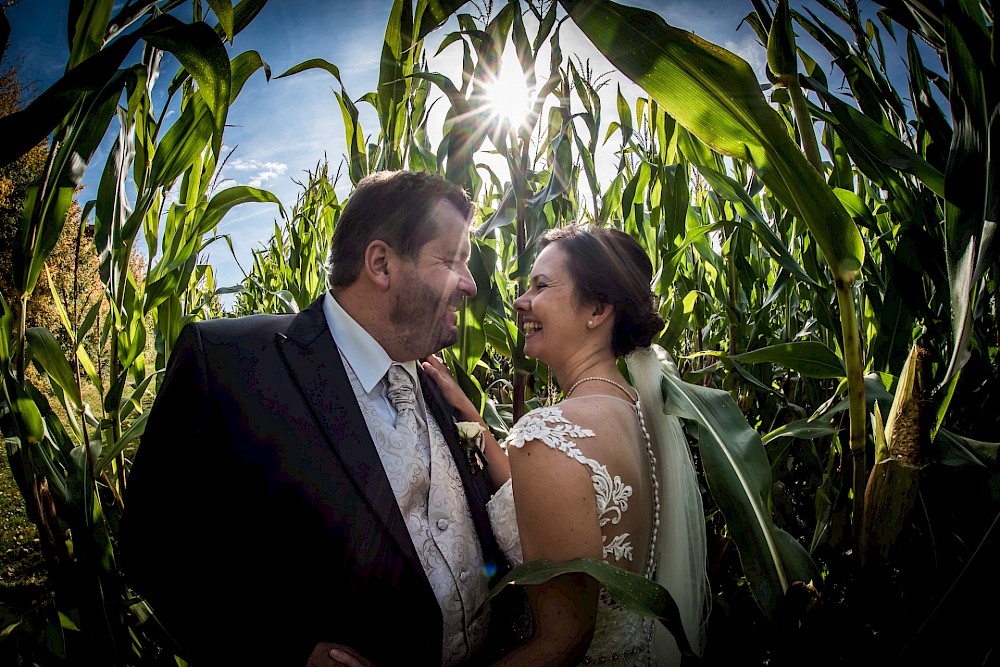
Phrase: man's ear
[378,257]
[601,312]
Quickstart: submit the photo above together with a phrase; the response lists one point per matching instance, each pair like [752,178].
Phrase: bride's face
[554,320]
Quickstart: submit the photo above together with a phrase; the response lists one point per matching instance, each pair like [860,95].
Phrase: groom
[299,483]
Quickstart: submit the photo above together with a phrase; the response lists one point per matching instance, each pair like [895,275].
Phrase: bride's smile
[554,320]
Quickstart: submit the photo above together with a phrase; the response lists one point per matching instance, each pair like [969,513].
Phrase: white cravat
[404,402]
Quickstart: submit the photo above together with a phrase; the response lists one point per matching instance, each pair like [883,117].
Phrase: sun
[507,97]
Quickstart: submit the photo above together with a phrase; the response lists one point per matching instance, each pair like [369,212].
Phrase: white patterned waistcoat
[437,516]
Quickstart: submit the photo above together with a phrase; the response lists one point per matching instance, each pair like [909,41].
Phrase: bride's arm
[557,521]
[499,466]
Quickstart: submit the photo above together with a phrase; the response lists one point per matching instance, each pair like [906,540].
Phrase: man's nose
[466,283]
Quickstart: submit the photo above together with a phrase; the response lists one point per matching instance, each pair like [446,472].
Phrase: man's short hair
[391,206]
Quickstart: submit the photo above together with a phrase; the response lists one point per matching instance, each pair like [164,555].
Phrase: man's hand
[328,654]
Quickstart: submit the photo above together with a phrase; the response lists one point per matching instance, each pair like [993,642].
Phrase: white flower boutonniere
[471,434]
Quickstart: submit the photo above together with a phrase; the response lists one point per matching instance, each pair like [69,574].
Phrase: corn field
[823,249]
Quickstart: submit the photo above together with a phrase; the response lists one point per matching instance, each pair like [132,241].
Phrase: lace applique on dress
[621,638]
[549,426]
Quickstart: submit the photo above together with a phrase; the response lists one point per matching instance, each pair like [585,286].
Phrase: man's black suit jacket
[258,518]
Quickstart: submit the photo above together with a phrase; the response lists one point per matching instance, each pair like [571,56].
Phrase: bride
[603,473]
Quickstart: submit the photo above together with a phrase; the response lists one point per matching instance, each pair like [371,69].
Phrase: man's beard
[419,318]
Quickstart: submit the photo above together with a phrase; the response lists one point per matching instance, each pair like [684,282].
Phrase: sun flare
[507,97]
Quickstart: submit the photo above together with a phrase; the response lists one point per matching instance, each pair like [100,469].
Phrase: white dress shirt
[368,359]
[436,513]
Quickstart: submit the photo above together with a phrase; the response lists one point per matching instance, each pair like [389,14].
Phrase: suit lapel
[316,367]
[478,486]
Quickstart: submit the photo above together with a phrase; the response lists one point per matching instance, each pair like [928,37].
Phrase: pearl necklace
[597,377]
[651,562]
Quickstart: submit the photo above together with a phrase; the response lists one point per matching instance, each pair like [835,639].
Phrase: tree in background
[73,265]
[14,177]
[4,26]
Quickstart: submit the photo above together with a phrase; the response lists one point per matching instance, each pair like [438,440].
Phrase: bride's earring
[590,324]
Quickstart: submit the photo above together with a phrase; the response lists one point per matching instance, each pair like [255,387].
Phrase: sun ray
[507,97]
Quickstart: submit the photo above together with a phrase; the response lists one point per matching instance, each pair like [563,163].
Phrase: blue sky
[284,127]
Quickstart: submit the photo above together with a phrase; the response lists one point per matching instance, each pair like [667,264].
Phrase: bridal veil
[681,567]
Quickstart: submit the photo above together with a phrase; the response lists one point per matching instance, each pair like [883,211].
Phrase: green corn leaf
[39,233]
[243,13]
[544,27]
[66,623]
[88,21]
[882,451]
[632,591]
[467,130]
[129,14]
[224,13]
[697,151]
[522,46]
[28,127]
[926,108]
[472,343]
[731,191]
[134,401]
[224,200]
[393,87]
[313,63]
[88,321]
[760,19]
[432,14]
[804,429]
[131,434]
[957,450]
[862,134]
[30,418]
[589,168]
[716,96]
[355,137]
[728,362]
[180,147]
[972,199]
[6,331]
[48,201]
[242,67]
[201,53]
[856,207]
[633,198]
[809,358]
[61,309]
[624,117]
[739,477]
[944,400]
[44,349]
[869,88]
[680,315]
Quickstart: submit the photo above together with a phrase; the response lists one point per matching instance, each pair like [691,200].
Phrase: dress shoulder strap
[548,426]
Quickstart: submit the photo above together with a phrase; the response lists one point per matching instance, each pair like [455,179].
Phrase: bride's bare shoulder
[598,412]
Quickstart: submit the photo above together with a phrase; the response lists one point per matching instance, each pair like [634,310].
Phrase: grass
[22,570]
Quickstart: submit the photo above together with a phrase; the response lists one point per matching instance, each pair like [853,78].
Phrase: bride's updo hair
[609,266]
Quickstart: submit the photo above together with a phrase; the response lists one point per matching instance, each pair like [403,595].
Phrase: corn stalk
[70,465]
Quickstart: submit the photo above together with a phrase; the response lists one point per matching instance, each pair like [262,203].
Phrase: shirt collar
[367,358]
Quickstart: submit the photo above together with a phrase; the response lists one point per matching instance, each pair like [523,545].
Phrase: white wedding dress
[621,637]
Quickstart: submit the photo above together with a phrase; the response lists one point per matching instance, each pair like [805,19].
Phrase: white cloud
[751,51]
[253,172]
